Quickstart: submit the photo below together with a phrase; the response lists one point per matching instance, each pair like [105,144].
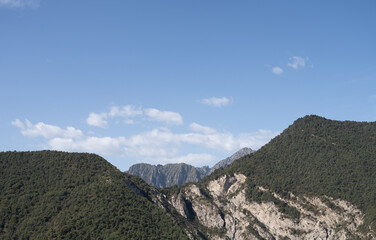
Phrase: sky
[179,81]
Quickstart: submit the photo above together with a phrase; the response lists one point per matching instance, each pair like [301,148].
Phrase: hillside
[316,180]
[55,195]
[318,156]
[179,173]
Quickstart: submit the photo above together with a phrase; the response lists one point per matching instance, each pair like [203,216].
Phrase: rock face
[167,175]
[227,161]
[179,173]
[222,208]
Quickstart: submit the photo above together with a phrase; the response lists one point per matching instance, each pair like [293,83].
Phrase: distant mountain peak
[167,175]
[179,173]
[227,161]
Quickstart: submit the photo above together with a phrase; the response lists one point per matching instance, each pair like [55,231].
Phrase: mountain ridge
[316,180]
[179,173]
[57,195]
[227,161]
[167,175]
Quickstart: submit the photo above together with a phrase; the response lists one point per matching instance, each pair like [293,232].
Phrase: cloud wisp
[297,62]
[164,116]
[19,3]
[294,62]
[128,113]
[277,70]
[217,102]
[203,129]
[159,145]
[45,130]
[97,120]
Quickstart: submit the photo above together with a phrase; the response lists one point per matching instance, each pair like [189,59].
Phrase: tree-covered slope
[55,195]
[319,157]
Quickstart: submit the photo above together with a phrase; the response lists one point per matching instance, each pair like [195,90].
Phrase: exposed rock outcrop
[222,207]
[167,175]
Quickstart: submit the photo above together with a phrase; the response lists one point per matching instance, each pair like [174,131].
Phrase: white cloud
[256,139]
[159,145]
[199,128]
[97,120]
[71,139]
[18,123]
[19,3]
[216,102]
[100,119]
[219,141]
[155,137]
[105,146]
[129,121]
[277,70]
[199,159]
[153,152]
[164,116]
[155,141]
[128,113]
[214,140]
[125,111]
[45,130]
[162,146]
[296,62]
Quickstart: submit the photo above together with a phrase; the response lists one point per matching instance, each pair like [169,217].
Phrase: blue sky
[172,81]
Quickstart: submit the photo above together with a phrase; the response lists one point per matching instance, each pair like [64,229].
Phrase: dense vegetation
[320,157]
[55,195]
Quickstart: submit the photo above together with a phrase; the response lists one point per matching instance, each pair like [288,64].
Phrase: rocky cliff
[316,180]
[179,173]
[223,210]
[167,175]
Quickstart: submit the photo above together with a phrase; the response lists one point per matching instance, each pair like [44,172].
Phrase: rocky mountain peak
[227,161]
[180,173]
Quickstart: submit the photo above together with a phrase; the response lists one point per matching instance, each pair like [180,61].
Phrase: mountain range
[316,180]
[179,173]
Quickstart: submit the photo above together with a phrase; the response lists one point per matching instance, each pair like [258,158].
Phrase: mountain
[55,195]
[316,180]
[227,161]
[179,173]
[167,175]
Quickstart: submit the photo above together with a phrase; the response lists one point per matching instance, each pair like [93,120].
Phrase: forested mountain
[319,157]
[179,173]
[316,180]
[55,195]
